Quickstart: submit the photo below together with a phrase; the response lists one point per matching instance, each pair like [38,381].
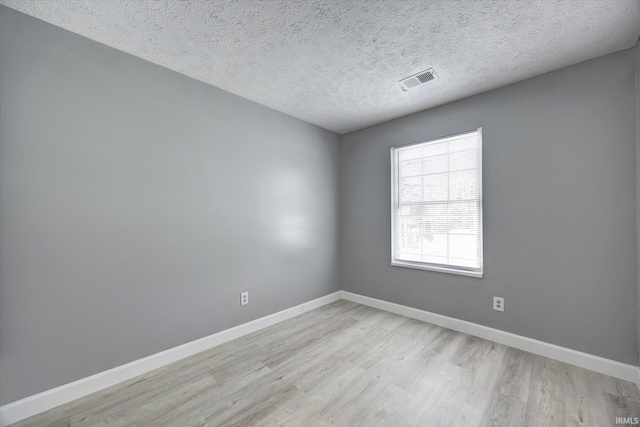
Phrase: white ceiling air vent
[417,79]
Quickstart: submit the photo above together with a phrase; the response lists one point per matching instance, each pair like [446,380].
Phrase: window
[436,201]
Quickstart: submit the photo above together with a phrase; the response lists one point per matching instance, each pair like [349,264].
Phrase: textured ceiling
[336,63]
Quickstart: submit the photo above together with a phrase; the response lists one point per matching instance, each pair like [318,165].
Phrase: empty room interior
[319,213]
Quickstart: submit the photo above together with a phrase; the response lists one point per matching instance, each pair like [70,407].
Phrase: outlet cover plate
[498,304]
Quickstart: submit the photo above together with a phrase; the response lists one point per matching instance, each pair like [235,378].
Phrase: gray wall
[637,49]
[136,204]
[559,209]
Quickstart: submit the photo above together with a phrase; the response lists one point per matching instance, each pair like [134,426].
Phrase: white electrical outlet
[498,304]
[244,298]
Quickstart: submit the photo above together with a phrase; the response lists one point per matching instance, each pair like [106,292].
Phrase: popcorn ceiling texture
[336,63]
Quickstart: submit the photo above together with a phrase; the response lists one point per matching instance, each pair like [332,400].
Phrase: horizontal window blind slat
[436,202]
[439,173]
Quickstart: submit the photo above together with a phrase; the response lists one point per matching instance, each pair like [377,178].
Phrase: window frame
[442,268]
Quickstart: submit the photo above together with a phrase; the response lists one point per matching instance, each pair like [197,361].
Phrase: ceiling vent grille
[418,79]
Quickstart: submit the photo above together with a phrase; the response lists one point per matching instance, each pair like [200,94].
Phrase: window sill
[477,274]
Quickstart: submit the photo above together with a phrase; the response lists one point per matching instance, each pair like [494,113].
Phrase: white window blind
[437,204]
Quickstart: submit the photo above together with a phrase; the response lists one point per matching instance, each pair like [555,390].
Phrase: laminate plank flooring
[346,364]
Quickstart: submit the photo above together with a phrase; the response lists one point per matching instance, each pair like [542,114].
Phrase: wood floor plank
[317,402]
[585,403]
[138,413]
[510,393]
[346,364]
[621,406]
[548,389]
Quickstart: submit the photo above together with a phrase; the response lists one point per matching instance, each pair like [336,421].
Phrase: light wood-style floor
[350,365]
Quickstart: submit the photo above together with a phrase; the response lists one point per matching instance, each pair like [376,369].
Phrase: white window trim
[478,273]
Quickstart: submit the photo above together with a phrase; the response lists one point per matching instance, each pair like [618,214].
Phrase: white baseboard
[27,407]
[552,351]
